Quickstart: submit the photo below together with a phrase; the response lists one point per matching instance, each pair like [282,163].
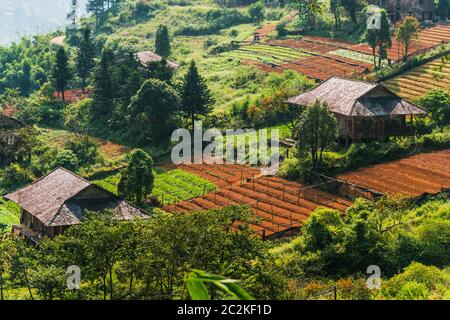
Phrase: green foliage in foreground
[160,257]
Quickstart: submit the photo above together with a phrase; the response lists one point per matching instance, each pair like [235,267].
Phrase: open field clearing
[170,186]
[417,82]
[427,38]
[280,205]
[324,67]
[266,53]
[317,58]
[427,173]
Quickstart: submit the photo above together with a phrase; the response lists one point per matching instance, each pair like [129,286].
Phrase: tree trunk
[63,95]
[110,284]
[83,84]
[1,287]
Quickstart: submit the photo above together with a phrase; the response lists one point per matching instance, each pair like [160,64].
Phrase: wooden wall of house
[33,223]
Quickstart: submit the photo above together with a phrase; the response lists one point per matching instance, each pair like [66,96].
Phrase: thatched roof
[10,123]
[357,98]
[146,57]
[60,198]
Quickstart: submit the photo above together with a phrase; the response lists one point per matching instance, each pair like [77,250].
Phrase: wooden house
[58,201]
[363,110]
[10,140]
[146,57]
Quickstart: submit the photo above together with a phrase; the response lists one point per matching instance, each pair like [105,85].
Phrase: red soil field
[262,66]
[279,205]
[74,95]
[427,38]
[426,173]
[323,67]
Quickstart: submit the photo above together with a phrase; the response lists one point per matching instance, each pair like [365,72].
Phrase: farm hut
[10,140]
[146,57]
[58,200]
[364,111]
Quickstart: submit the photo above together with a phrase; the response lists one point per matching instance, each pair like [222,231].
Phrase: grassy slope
[9,213]
[219,70]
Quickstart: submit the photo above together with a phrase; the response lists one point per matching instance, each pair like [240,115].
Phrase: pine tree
[196,97]
[162,42]
[85,56]
[103,93]
[61,71]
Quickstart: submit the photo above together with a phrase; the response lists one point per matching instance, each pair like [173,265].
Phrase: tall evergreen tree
[103,92]
[61,71]
[162,42]
[196,97]
[85,56]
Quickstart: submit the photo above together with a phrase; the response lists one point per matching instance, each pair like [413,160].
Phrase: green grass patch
[9,213]
[174,186]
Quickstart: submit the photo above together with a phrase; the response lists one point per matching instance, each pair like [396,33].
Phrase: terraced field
[279,205]
[265,53]
[427,38]
[317,58]
[420,80]
[426,173]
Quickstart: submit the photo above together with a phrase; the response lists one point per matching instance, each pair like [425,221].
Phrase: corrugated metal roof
[49,199]
[353,98]
[148,56]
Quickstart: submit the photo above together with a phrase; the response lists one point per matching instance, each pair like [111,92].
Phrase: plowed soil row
[278,204]
[427,173]
[222,175]
[322,68]
[427,38]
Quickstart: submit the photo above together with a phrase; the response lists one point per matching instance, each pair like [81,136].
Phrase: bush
[84,148]
[14,177]
[66,159]
[281,29]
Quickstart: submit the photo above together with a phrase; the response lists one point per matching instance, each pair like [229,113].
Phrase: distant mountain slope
[29,17]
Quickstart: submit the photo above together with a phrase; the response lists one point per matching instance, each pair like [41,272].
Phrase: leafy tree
[104,91]
[152,113]
[256,11]
[196,97]
[61,71]
[26,83]
[335,7]
[23,262]
[317,130]
[5,257]
[437,103]
[162,42]
[407,30]
[49,281]
[137,180]
[85,149]
[380,38]
[85,56]
[352,7]
[308,10]
[14,177]
[66,159]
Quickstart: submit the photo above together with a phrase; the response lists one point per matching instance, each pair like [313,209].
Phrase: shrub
[66,159]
